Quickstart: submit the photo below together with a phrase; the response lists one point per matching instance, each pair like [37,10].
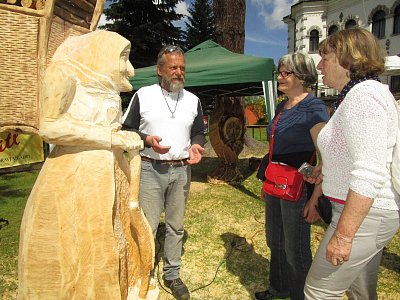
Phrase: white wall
[308,15]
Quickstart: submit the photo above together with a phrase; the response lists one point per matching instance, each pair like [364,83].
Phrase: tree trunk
[228,124]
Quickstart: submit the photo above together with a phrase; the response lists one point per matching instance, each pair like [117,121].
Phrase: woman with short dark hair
[299,119]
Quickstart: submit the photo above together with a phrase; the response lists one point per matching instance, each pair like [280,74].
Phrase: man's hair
[168,49]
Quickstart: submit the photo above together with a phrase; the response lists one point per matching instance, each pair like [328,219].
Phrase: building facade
[310,22]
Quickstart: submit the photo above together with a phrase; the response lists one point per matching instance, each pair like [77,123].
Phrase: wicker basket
[29,37]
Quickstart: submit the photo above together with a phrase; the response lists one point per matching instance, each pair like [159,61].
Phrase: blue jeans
[166,187]
[288,237]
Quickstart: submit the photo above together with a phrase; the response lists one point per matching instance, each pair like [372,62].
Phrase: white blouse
[357,144]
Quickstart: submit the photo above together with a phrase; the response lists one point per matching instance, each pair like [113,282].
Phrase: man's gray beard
[173,87]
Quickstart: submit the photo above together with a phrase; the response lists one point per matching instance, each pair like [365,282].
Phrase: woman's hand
[310,212]
[338,249]
[354,212]
[316,175]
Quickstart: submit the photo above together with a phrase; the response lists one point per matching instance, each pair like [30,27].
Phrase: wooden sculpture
[83,235]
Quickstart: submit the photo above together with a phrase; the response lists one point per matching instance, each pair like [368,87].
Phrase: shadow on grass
[7,194]
[208,164]
[9,190]
[390,261]
[244,262]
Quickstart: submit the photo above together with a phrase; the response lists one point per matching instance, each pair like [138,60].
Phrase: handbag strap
[271,140]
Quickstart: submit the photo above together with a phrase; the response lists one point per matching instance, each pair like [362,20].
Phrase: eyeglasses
[283,74]
[167,49]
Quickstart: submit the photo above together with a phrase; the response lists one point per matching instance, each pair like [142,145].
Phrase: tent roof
[213,70]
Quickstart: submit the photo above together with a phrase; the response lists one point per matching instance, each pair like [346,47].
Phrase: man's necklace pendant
[176,104]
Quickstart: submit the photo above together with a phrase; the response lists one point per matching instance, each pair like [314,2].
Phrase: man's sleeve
[131,118]
[198,128]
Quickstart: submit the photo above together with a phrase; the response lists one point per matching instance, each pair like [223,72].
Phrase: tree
[201,23]
[147,24]
[227,124]
[229,24]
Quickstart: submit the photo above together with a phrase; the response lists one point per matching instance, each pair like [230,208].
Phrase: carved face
[105,53]
[125,71]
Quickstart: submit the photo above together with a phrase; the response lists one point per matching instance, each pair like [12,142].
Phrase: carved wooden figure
[79,237]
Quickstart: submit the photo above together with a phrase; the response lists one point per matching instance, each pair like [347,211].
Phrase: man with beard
[169,119]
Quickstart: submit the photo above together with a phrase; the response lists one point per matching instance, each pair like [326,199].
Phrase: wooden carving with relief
[83,235]
[227,125]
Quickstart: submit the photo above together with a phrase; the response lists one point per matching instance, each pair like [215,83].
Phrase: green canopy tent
[212,70]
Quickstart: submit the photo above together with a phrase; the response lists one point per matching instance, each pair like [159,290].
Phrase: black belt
[175,163]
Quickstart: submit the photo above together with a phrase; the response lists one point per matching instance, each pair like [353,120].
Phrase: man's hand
[195,154]
[154,142]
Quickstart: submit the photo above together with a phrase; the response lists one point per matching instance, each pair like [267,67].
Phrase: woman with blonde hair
[356,147]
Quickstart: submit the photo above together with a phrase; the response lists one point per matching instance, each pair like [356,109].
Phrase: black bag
[324,208]
[261,168]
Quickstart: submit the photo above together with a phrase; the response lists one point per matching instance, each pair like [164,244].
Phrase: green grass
[225,254]
[15,189]
[259,134]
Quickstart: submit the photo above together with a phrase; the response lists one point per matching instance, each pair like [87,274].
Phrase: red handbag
[281,180]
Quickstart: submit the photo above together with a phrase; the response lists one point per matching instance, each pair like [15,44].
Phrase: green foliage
[201,25]
[147,24]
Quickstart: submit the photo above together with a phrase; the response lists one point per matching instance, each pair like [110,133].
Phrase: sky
[265,32]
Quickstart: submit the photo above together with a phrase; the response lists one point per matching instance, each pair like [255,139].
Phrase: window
[350,24]
[314,40]
[395,84]
[378,24]
[332,29]
[396,20]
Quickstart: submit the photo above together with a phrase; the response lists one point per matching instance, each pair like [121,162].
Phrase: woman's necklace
[348,87]
[176,104]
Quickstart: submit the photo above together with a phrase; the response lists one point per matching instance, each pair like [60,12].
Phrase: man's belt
[175,163]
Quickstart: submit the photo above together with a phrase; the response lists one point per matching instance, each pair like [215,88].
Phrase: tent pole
[265,100]
[270,104]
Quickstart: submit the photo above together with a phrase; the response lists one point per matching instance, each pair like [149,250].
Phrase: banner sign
[20,149]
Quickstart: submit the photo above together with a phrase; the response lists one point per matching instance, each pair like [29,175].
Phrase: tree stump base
[226,173]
